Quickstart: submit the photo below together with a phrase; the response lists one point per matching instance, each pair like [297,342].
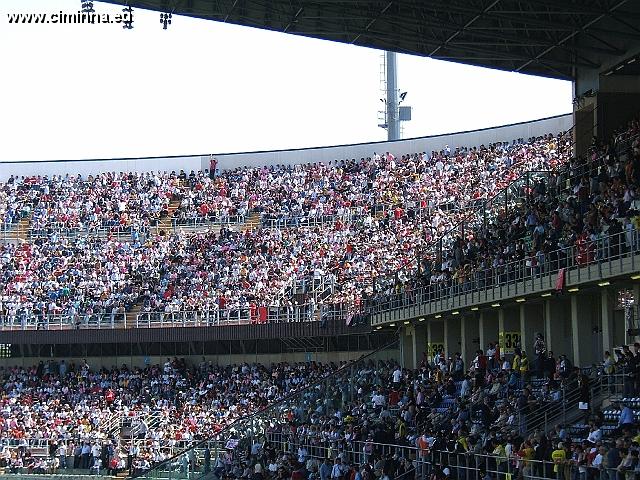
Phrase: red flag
[560,280]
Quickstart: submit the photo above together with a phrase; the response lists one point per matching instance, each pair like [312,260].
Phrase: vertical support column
[524,337]
[406,346]
[606,315]
[393,122]
[469,336]
[437,335]
[419,343]
[501,320]
[575,330]
[636,311]
[547,326]
[464,341]
[429,339]
[481,332]
[452,335]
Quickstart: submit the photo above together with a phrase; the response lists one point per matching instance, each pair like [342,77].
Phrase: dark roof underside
[552,38]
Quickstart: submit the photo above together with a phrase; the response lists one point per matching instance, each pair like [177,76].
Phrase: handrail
[203,317]
[603,251]
[231,427]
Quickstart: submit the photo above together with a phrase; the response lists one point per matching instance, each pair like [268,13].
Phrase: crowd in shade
[403,204]
[375,419]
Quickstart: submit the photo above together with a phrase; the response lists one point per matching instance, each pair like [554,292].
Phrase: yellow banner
[509,341]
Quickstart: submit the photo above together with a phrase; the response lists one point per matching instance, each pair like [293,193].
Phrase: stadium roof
[552,38]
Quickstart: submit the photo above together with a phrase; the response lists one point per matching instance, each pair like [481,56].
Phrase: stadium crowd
[588,210]
[376,417]
[243,272]
[73,406]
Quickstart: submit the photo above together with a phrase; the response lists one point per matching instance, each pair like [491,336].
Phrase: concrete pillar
[501,320]
[576,330]
[558,327]
[452,335]
[490,328]
[508,330]
[412,345]
[437,335]
[636,311]
[606,317]
[584,330]
[481,334]
[548,334]
[406,346]
[469,331]
[531,323]
[419,343]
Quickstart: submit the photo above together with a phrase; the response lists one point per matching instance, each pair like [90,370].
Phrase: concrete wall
[138,361]
[290,157]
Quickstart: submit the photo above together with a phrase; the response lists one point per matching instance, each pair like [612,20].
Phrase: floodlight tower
[393,114]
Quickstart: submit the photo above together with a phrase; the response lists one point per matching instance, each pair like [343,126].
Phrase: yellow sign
[509,341]
[434,349]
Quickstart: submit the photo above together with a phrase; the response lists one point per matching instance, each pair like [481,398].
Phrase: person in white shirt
[378,399]
[595,434]
[397,375]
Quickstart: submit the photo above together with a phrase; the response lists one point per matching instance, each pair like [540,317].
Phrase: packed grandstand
[364,231]
[375,225]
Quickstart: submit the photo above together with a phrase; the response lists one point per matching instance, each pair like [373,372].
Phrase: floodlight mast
[393,120]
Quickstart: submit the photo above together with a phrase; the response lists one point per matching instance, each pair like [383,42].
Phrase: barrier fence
[352,314]
[605,256]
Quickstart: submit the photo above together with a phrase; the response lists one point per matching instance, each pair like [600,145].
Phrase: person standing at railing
[559,457]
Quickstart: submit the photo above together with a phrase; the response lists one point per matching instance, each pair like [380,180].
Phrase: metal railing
[422,463]
[61,321]
[587,261]
[201,223]
[128,232]
[310,312]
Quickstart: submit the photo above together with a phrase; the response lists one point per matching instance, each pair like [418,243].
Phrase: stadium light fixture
[438,316]
[495,305]
[548,294]
[165,20]
[573,289]
[635,277]
[604,284]
[379,327]
[421,319]
[520,300]
[407,322]
[392,324]
[475,309]
[456,312]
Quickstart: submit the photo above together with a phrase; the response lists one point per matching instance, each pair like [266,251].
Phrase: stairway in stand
[166,223]
[22,228]
[132,315]
[252,222]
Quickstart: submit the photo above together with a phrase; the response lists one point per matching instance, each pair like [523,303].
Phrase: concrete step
[131,315]
[252,222]
[166,223]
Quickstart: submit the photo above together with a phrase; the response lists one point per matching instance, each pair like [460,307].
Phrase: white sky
[98,91]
